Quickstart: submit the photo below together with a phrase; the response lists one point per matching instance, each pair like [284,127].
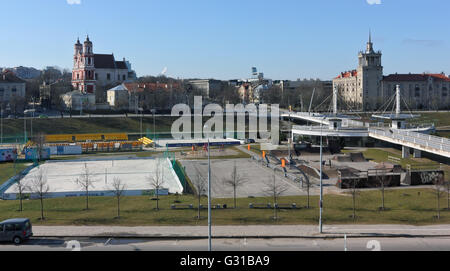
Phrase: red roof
[416,77]
[347,74]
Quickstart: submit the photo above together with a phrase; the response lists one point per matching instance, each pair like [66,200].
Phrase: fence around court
[179,170]
[6,185]
[182,177]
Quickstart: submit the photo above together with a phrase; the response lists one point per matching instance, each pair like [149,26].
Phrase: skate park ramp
[352,157]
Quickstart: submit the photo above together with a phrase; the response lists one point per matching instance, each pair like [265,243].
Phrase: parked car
[43,116]
[15,230]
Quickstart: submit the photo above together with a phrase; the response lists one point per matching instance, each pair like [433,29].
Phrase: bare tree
[40,188]
[235,181]
[274,189]
[20,187]
[157,180]
[200,186]
[354,192]
[118,189]
[438,183]
[383,180]
[308,187]
[39,140]
[447,186]
[85,182]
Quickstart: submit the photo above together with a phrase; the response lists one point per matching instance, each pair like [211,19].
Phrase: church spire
[369,43]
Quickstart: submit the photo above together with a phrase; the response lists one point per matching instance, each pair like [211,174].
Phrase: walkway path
[260,231]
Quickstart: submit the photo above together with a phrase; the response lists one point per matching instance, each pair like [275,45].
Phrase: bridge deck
[427,143]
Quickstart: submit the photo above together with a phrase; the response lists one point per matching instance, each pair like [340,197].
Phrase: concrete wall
[102,76]
[119,99]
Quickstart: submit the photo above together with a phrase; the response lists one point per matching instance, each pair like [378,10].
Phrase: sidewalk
[292,231]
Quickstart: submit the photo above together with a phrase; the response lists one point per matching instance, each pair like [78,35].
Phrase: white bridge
[400,133]
[413,140]
[305,116]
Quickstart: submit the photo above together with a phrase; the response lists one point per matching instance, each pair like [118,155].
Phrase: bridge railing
[354,123]
[432,140]
[428,141]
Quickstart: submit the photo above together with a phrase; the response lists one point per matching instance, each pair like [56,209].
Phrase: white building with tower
[361,87]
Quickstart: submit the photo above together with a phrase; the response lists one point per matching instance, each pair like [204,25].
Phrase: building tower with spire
[371,72]
[361,87]
[83,74]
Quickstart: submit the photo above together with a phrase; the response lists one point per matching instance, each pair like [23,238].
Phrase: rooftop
[416,77]
[347,74]
[9,77]
[105,61]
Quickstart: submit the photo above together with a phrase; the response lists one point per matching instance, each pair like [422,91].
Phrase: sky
[223,39]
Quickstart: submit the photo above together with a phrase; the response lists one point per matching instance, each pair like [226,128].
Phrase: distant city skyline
[287,39]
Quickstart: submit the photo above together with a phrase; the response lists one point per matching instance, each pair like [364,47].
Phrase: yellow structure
[146,141]
[69,138]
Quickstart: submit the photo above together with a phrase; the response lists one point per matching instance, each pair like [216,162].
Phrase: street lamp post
[31,125]
[209,201]
[209,194]
[31,122]
[290,136]
[141,110]
[154,131]
[321,184]
[24,128]
[1,125]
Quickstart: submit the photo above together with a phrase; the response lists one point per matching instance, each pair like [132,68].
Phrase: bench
[269,206]
[181,206]
[286,206]
[217,206]
[260,206]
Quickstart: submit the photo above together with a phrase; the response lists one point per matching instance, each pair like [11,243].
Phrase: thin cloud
[425,43]
[374,2]
[74,2]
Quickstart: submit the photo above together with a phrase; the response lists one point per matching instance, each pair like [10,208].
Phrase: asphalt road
[353,244]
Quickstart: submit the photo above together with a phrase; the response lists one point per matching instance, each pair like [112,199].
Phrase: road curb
[171,237]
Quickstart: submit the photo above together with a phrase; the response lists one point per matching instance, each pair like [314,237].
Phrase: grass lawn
[407,206]
[439,119]
[67,125]
[443,134]
[7,170]
[88,125]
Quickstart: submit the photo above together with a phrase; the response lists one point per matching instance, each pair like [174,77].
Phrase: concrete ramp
[344,159]
[357,157]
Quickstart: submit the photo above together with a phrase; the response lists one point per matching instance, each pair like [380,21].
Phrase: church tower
[83,74]
[370,73]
